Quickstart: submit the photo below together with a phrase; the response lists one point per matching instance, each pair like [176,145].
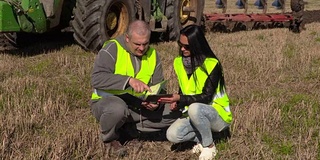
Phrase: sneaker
[197,148]
[208,153]
[118,149]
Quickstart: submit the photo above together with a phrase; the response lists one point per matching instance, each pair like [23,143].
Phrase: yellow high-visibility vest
[123,66]
[190,86]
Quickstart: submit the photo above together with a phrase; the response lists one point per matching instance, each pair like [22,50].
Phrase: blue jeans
[198,127]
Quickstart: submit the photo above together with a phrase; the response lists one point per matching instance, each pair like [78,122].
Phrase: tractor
[94,21]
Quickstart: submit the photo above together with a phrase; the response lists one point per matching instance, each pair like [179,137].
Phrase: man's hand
[150,106]
[138,86]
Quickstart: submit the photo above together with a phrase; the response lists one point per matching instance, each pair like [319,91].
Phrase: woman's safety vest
[190,86]
[123,66]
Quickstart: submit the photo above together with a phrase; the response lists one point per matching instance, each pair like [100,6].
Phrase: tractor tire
[96,21]
[8,41]
[297,5]
[177,18]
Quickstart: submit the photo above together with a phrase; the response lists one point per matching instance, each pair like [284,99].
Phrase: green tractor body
[95,21]
[24,16]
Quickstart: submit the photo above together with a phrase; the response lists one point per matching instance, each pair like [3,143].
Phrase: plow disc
[236,22]
[225,22]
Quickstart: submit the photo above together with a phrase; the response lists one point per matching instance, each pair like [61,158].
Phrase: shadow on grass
[218,137]
[35,44]
[153,136]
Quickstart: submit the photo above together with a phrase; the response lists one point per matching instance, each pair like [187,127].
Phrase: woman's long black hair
[200,50]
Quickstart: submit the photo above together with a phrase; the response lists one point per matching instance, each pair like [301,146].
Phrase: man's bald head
[139,27]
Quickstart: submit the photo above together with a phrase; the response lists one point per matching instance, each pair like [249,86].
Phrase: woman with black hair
[202,95]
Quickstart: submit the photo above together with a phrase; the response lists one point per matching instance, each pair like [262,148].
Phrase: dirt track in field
[311,16]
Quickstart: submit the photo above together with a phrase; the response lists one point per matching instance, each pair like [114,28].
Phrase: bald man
[127,64]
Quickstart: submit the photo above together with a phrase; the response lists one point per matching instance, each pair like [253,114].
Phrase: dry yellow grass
[272,79]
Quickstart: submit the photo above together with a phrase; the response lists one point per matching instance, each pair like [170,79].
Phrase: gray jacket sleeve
[103,76]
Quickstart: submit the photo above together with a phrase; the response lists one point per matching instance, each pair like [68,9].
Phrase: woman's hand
[173,106]
[175,98]
[150,106]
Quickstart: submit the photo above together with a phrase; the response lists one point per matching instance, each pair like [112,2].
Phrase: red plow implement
[242,21]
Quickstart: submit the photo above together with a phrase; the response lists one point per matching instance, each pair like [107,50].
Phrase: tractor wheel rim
[184,15]
[117,19]
[111,20]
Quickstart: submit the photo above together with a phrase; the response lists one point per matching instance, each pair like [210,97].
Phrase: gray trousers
[112,112]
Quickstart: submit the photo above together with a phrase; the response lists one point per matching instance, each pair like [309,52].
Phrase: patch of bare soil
[311,16]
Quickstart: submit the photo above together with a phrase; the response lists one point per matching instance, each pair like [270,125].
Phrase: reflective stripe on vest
[123,66]
[191,87]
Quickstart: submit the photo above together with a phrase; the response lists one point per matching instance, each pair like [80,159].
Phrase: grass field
[272,79]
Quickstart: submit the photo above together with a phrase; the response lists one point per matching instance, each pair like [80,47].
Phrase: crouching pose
[202,95]
[128,66]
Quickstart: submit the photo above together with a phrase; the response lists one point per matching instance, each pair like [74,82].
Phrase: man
[127,65]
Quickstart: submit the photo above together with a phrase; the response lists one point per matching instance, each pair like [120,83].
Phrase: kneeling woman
[202,96]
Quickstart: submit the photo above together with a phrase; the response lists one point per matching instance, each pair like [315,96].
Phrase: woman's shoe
[208,153]
[197,148]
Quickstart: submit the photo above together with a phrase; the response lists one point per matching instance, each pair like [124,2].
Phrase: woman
[202,94]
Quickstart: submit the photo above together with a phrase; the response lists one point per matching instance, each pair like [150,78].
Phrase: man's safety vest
[123,66]
[190,86]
